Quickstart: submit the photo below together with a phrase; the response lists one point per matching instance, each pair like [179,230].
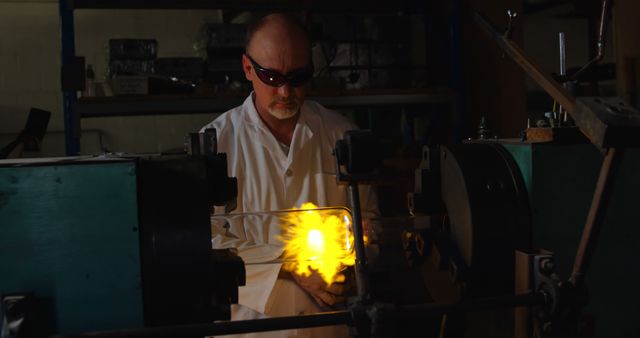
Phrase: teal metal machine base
[69,236]
[95,244]
[561,180]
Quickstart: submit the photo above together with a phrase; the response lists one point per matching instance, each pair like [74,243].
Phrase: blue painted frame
[68,48]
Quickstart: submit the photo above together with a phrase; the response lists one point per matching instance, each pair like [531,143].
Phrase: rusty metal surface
[602,28]
[608,122]
[564,135]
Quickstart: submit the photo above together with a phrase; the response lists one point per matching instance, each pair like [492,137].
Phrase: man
[279,146]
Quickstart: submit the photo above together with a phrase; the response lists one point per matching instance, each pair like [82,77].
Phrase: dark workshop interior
[500,138]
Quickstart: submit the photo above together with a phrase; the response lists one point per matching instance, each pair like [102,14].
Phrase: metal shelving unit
[174,105]
[76,109]
[356,6]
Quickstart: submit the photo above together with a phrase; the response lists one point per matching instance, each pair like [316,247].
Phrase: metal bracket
[512,17]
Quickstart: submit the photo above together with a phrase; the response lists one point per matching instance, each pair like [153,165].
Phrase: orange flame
[317,240]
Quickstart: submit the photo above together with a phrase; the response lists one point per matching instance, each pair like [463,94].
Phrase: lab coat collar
[301,135]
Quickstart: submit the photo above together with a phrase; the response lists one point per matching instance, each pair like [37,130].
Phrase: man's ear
[246,67]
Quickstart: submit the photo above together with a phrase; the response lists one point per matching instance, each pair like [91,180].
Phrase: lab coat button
[289,172]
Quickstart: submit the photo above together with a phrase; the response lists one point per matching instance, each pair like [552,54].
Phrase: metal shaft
[358,234]
[602,28]
[563,55]
[225,328]
[563,71]
[417,311]
[595,218]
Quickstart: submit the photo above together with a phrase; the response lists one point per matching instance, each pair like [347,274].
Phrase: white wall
[30,71]
[29,64]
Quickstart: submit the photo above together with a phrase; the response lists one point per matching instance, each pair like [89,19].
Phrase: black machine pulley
[488,209]
[183,281]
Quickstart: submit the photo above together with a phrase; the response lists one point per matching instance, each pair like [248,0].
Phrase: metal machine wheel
[488,211]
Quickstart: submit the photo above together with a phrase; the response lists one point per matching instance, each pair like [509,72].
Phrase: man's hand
[325,295]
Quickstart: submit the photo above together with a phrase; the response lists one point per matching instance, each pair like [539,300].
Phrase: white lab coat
[269,179]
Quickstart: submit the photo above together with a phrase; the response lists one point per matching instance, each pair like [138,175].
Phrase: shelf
[382,97]
[77,109]
[358,6]
[183,104]
[153,105]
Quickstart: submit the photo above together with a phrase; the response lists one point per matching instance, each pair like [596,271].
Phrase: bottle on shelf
[90,86]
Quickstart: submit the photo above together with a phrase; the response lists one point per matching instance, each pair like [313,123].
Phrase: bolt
[490,186]
[547,266]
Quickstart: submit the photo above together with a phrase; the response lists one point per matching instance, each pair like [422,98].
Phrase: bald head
[278,44]
[279,30]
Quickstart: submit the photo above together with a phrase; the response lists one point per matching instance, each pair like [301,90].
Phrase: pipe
[378,311]
[358,235]
[601,40]
[225,328]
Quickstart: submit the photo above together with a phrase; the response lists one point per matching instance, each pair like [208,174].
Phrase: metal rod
[563,71]
[225,328]
[316,320]
[563,55]
[455,68]
[595,218]
[358,235]
[604,14]
[543,79]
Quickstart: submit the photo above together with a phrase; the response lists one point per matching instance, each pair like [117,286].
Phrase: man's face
[265,59]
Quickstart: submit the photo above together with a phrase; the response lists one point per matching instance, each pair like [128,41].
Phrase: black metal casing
[184,280]
[489,213]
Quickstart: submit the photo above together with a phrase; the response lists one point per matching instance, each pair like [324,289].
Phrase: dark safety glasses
[294,78]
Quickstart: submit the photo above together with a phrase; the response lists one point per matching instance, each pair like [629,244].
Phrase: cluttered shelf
[290,5]
[136,105]
[367,53]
